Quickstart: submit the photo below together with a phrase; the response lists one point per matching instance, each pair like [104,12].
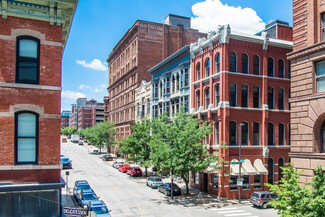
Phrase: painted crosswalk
[233,212]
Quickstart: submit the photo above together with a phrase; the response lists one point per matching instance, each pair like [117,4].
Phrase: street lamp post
[240,143]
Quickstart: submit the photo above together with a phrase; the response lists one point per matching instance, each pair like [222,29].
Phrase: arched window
[217,94]
[198,77]
[244,63]
[256,96]
[232,133]
[256,65]
[207,97]
[207,67]
[244,95]
[27,60]
[281,134]
[281,68]
[270,134]
[244,133]
[233,94]
[270,97]
[270,67]
[232,62]
[281,99]
[256,133]
[322,131]
[216,130]
[270,165]
[281,164]
[197,100]
[217,62]
[26,138]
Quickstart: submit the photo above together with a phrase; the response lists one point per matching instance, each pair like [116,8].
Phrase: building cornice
[59,12]
[306,51]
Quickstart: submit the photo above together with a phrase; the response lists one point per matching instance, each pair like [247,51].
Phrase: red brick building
[144,45]
[65,119]
[31,44]
[240,84]
[308,87]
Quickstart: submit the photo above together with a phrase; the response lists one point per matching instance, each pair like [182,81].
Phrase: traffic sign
[242,161]
[234,162]
[239,183]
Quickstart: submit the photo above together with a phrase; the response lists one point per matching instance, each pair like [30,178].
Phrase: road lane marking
[239,214]
[231,211]
[224,209]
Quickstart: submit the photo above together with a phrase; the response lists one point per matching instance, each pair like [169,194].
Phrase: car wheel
[264,206]
[166,192]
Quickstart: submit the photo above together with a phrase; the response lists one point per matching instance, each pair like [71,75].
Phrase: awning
[234,168]
[248,167]
[213,168]
[259,167]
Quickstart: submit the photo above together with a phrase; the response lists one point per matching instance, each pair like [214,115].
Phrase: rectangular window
[197,100]
[257,181]
[215,180]
[256,96]
[26,138]
[270,97]
[246,184]
[148,106]
[186,104]
[323,26]
[320,76]
[233,182]
[281,134]
[186,78]
[196,178]
[256,134]
[216,129]
[270,135]
[168,85]
[281,98]
[27,60]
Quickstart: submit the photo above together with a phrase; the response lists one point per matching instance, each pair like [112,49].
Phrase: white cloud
[211,13]
[83,86]
[100,89]
[68,94]
[95,64]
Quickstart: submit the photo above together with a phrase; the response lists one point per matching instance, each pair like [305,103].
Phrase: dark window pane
[256,96]
[270,97]
[233,94]
[256,134]
[271,171]
[281,98]
[244,63]
[207,68]
[244,133]
[232,133]
[207,97]
[256,69]
[197,100]
[281,69]
[270,132]
[217,63]
[244,95]
[270,67]
[281,134]
[217,94]
[198,72]
[281,164]
[232,62]
[27,72]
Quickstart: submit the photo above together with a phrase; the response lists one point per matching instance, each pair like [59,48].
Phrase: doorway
[205,182]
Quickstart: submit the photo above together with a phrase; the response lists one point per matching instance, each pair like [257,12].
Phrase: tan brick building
[144,45]
[308,87]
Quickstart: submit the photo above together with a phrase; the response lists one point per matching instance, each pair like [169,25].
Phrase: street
[126,197]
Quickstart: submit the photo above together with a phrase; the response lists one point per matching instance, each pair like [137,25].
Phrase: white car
[154,182]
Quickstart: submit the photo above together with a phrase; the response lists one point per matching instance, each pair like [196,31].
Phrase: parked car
[154,182]
[117,163]
[99,208]
[80,142]
[166,189]
[64,139]
[107,157]
[85,196]
[134,171]
[123,168]
[261,198]
[66,163]
[80,185]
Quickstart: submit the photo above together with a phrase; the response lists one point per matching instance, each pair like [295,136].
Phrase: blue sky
[99,24]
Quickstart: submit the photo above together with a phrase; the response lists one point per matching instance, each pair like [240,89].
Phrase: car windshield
[174,185]
[100,209]
[89,197]
[127,165]
[83,187]
[137,169]
[156,180]
[65,159]
[120,162]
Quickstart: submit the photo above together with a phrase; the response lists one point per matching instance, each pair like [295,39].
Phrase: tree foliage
[297,200]
[67,131]
[177,145]
[137,144]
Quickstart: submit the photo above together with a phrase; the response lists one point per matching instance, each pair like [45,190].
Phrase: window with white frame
[216,131]
[217,62]
[244,63]
[207,97]
[207,67]
[217,94]
[320,76]
[215,180]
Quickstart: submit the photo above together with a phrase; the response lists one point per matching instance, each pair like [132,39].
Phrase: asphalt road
[126,197]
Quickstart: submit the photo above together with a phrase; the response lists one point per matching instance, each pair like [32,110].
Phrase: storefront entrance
[205,182]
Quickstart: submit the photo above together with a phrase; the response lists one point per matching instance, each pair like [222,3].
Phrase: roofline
[178,16]
[170,58]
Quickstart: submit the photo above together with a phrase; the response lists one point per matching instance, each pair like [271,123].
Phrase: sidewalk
[66,199]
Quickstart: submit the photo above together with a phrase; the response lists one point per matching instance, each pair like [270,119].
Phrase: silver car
[154,182]
[261,198]
[117,163]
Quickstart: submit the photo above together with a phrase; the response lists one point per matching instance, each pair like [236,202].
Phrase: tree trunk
[146,171]
[186,184]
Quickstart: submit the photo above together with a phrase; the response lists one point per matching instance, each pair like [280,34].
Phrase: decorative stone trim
[30,167]
[28,107]
[30,86]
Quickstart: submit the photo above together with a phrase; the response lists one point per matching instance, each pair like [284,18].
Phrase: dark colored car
[107,157]
[261,198]
[66,163]
[166,189]
[85,196]
[80,185]
[99,207]
[134,171]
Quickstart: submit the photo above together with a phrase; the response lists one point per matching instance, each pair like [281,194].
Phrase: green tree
[177,145]
[137,144]
[297,200]
[68,131]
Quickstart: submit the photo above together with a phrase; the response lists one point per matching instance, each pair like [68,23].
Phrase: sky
[98,25]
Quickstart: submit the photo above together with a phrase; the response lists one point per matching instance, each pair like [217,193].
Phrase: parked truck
[75,138]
